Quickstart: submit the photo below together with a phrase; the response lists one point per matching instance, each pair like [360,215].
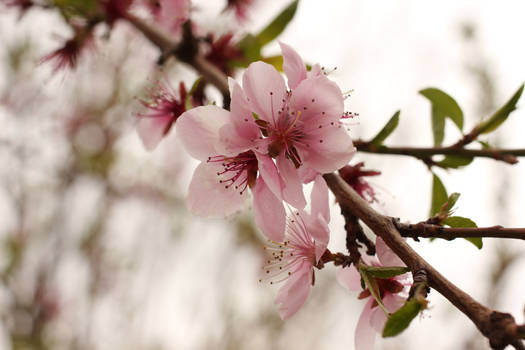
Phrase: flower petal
[349,278]
[241,114]
[319,99]
[319,199]
[378,318]
[293,186]
[265,89]
[365,335]
[294,293]
[151,130]
[198,129]
[293,65]
[268,171]
[386,256]
[269,212]
[334,152]
[209,198]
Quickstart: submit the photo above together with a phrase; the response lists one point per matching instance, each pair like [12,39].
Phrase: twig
[424,230]
[423,153]
[500,328]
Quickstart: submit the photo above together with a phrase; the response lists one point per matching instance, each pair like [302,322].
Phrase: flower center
[238,172]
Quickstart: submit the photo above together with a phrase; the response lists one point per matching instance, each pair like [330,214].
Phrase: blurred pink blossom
[353,175]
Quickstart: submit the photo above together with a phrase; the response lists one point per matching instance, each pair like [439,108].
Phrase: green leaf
[455,162]
[501,114]
[484,144]
[400,320]
[255,116]
[459,221]
[276,61]
[251,49]
[451,200]
[372,286]
[443,106]
[385,272]
[276,27]
[439,195]
[389,127]
[188,103]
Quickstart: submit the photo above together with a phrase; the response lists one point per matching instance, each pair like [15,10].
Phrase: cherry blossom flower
[353,175]
[218,186]
[162,110]
[222,52]
[301,127]
[393,293]
[294,259]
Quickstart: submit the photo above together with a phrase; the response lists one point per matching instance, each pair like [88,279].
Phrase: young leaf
[443,106]
[385,272]
[451,200]
[400,320]
[372,286]
[389,127]
[276,27]
[276,61]
[459,221]
[455,162]
[501,114]
[439,195]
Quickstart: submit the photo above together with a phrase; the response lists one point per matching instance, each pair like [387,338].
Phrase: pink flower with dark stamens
[304,244]
[219,184]
[300,127]
[353,175]
[393,293]
[163,108]
[67,56]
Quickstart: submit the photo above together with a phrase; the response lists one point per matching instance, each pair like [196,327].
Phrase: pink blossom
[393,293]
[163,108]
[300,127]
[304,244]
[240,7]
[353,175]
[218,186]
[171,14]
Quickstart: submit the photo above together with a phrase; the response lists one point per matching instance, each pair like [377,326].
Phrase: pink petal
[269,212]
[151,130]
[294,293]
[378,318]
[293,187]
[365,335]
[315,71]
[334,152]
[327,98]
[268,171]
[386,256]
[265,89]
[198,129]
[209,198]
[242,114]
[349,278]
[293,65]
[319,199]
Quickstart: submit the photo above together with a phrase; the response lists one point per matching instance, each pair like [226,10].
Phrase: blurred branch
[424,230]
[169,47]
[500,328]
[423,153]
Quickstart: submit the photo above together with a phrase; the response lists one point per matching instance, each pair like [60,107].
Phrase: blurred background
[98,251]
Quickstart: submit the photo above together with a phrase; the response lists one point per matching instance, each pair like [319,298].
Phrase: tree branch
[504,155]
[424,230]
[499,328]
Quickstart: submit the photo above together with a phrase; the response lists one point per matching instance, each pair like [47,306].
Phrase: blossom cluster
[276,137]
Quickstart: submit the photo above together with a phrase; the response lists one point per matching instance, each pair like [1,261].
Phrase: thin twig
[424,230]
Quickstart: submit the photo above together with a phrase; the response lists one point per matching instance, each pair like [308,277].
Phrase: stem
[500,328]
[423,230]
[505,155]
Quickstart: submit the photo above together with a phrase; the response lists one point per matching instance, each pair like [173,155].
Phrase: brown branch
[423,153]
[499,328]
[167,46]
[424,230]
